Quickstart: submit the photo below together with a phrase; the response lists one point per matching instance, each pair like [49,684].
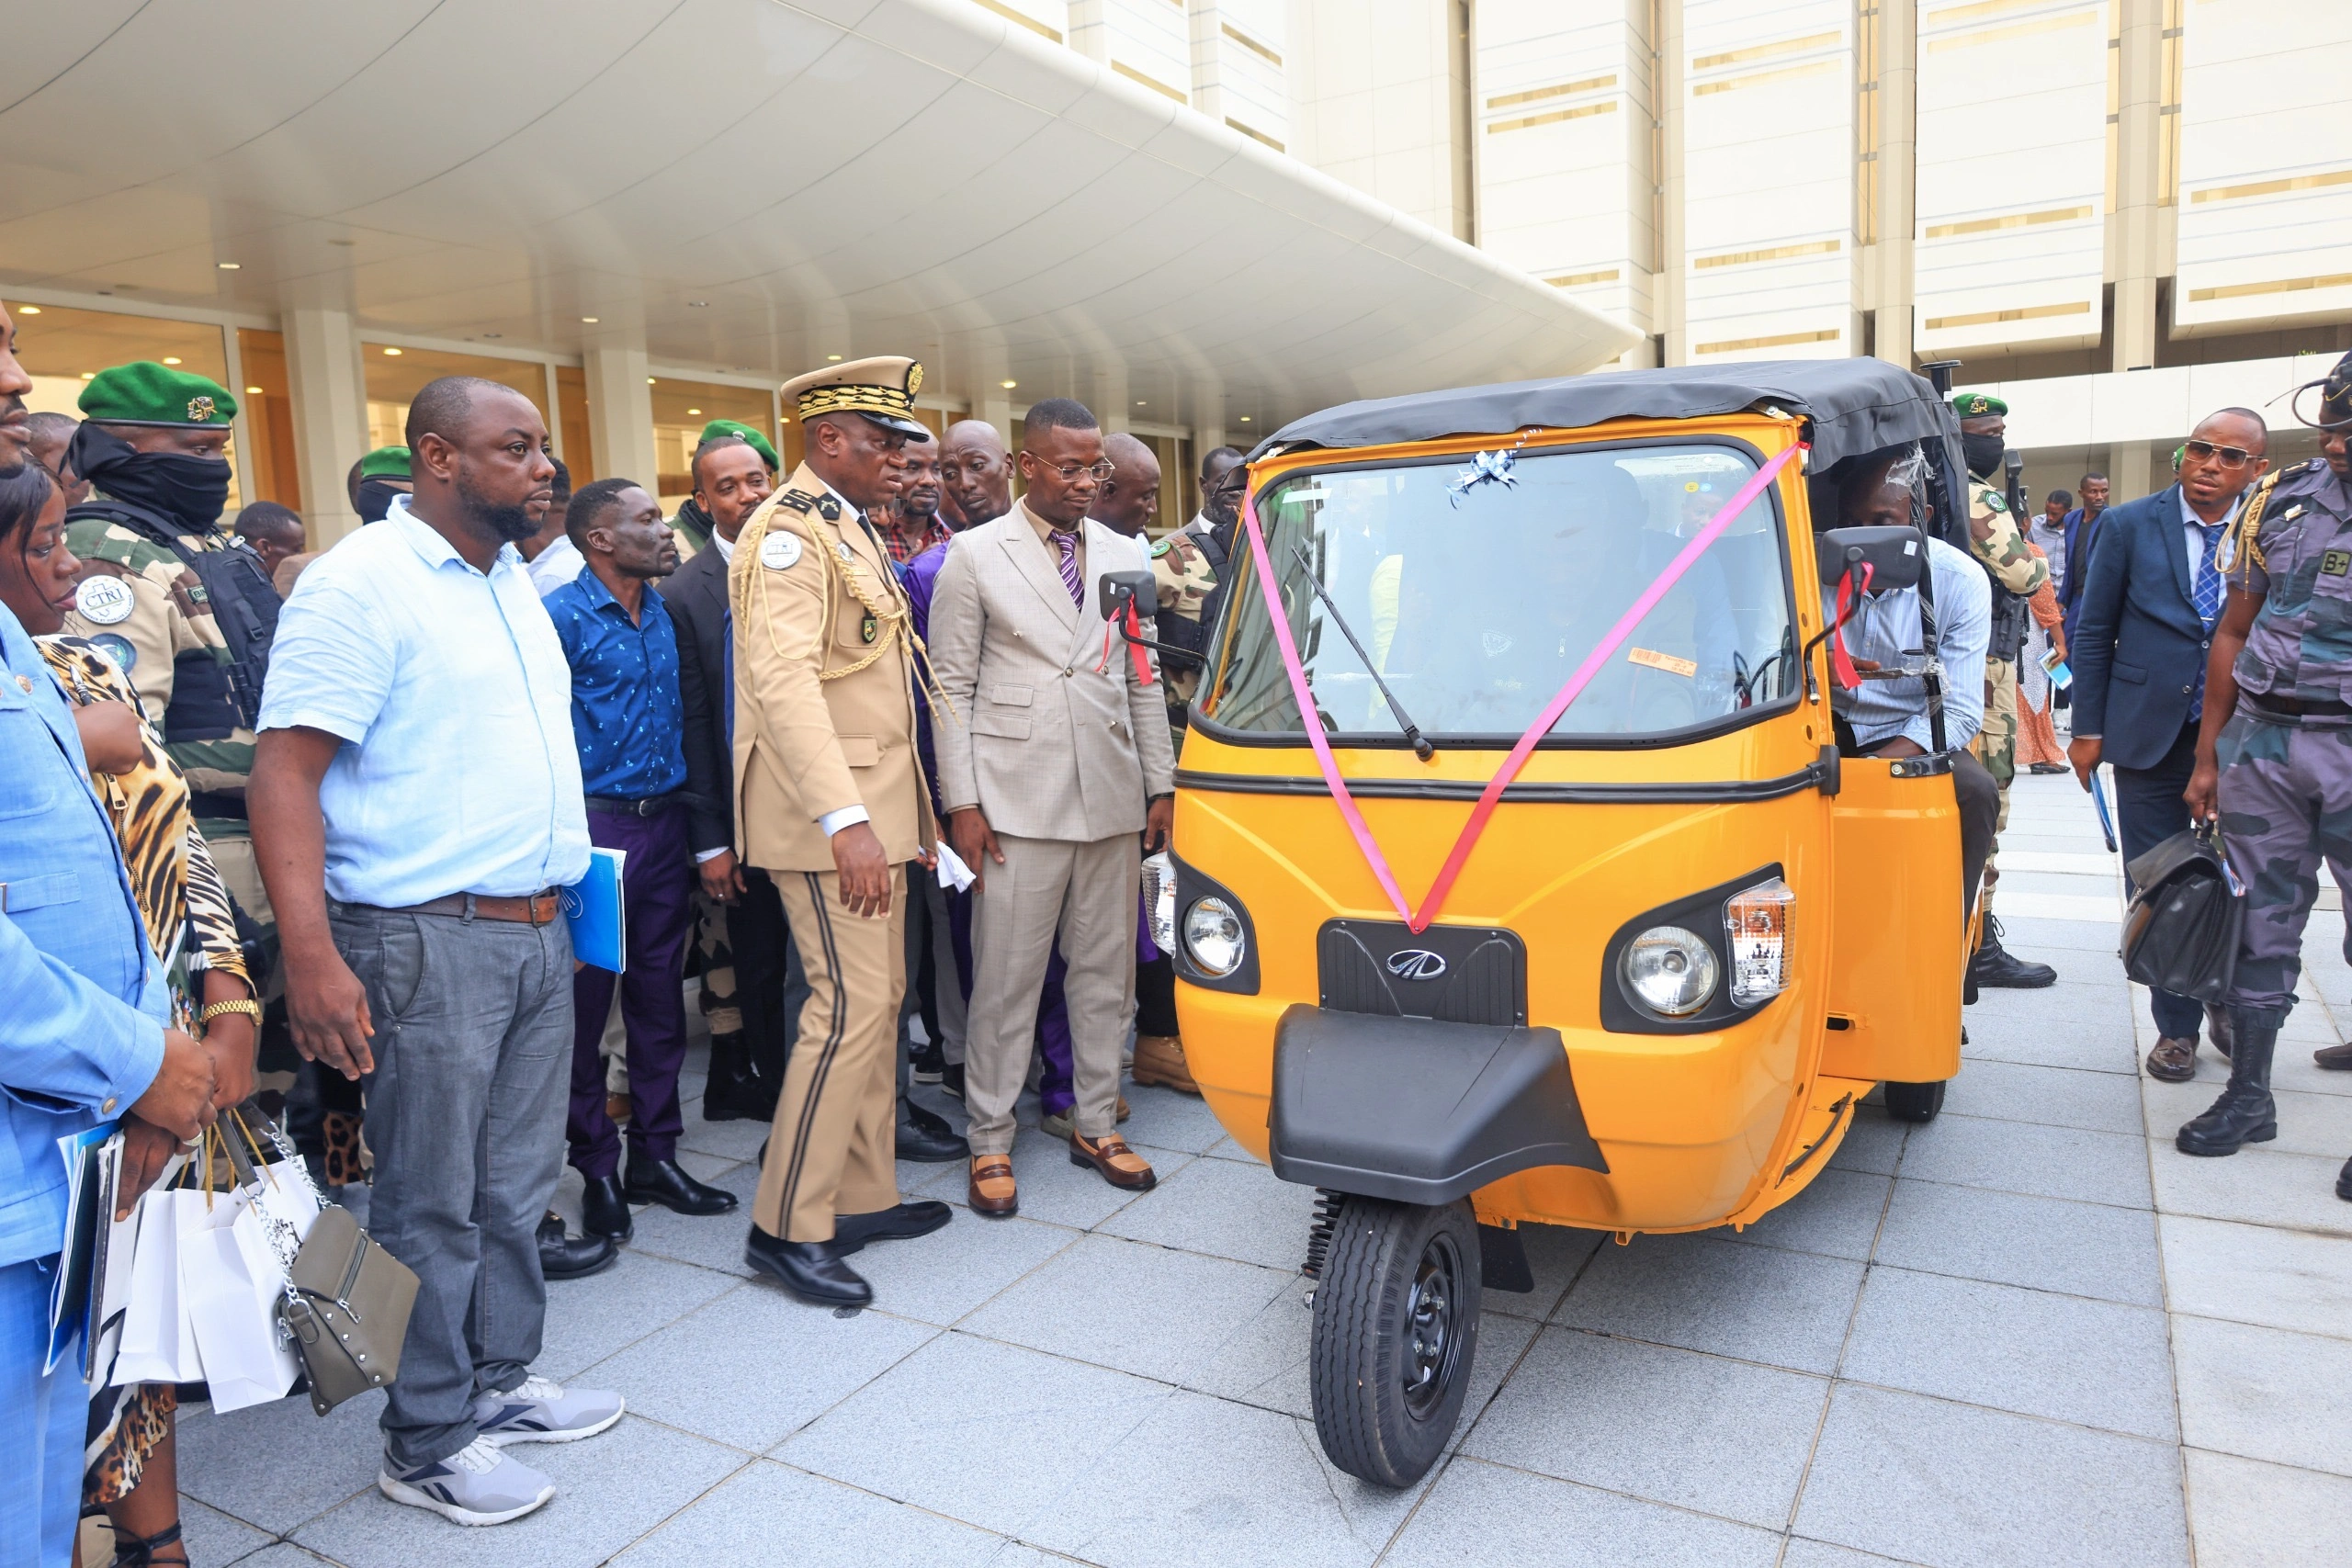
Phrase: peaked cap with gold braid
[882,389]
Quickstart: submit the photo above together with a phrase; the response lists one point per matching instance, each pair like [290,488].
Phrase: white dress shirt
[1886,625]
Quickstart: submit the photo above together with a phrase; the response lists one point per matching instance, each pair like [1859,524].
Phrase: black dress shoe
[603,1210]
[951,1079]
[929,1063]
[906,1220]
[735,1091]
[663,1182]
[1997,967]
[562,1257]
[925,1137]
[2343,1182]
[809,1270]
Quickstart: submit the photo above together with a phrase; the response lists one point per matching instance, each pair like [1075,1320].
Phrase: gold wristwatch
[245,1004]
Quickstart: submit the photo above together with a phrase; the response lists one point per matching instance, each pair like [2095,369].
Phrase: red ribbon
[1849,598]
[1270,590]
[1133,626]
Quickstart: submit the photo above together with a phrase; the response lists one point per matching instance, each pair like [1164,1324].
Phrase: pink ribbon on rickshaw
[1270,590]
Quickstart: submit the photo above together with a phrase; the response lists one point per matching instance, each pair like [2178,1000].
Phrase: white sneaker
[476,1485]
[539,1410]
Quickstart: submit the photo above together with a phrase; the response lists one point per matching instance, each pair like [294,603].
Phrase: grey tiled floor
[2027,1334]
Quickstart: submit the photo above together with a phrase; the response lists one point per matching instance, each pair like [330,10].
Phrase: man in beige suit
[830,800]
[1053,756]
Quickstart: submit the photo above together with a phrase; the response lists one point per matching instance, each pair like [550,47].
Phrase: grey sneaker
[539,1411]
[476,1485]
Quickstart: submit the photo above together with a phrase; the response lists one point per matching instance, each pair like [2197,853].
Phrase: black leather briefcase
[2180,932]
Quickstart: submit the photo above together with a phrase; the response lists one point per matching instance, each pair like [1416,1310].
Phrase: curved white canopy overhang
[739,184]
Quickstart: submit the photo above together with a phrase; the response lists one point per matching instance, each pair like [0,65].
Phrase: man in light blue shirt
[1886,715]
[416,802]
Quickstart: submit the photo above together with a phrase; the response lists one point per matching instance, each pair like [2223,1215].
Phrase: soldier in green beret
[173,596]
[692,526]
[1996,538]
[381,475]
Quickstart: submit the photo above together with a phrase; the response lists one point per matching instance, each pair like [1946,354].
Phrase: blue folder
[599,920]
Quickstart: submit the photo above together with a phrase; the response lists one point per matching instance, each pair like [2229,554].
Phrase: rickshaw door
[1897,947]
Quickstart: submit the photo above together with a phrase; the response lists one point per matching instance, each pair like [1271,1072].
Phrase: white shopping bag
[231,1282]
[157,1345]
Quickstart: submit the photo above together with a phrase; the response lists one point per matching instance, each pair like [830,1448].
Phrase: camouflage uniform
[1185,580]
[2285,782]
[2020,571]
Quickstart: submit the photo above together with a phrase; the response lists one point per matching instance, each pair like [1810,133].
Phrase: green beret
[760,444]
[385,463]
[1975,405]
[149,393]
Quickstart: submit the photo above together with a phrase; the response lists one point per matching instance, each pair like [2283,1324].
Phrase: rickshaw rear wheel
[1915,1102]
[1395,1330]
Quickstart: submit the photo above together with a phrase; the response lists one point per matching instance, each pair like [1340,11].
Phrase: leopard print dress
[191,922]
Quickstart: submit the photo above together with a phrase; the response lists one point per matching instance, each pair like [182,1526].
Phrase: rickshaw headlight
[1212,936]
[1756,924]
[1670,970]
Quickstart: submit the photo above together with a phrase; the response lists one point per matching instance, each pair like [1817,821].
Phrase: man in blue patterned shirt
[628,720]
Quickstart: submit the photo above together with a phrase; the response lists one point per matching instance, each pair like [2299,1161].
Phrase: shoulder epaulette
[2305,467]
[2249,550]
[799,500]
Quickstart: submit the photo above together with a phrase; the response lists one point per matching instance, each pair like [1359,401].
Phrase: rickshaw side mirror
[1897,557]
[1116,590]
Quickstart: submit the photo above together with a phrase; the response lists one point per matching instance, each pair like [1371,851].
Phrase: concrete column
[620,410]
[1111,401]
[330,405]
[1090,30]
[1898,136]
[1672,307]
[2133,261]
[1208,425]
[2131,472]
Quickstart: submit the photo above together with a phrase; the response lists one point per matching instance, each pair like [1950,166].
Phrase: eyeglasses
[2228,457]
[1069,472]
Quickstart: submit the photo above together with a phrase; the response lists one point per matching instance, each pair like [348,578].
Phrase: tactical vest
[1193,636]
[209,700]
[2009,613]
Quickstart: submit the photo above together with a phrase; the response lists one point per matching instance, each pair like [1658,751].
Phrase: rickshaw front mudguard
[1417,1110]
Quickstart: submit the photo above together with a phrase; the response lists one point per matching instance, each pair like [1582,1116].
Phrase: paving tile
[1555,1254]
[703,1166]
[2096,1363]
[214,1538]
[2292,1070]
[590,1319]
[2043,1038]
[609,1491]
[1205,1483]
[2046,1244]
[1109,1301]
[941,1276]
[2048,1162]
[2256,1185]
[2309,1124]
[2245,1514]
[827,1525]
[1483,1514]
[1698,1431]
[1168,1120]
[2281,1278]
[1759,1304]
[1837,1214]
[1805,1554]
[756,1364]
[739,1139]
[1225,1148]
[282,1555]
[341,1455]
[2266,1393]
[991,1434]
[1953,1486]
[2019,933]
[2053,1097]
[708,1241]
[1225,1209]
[1874,1142]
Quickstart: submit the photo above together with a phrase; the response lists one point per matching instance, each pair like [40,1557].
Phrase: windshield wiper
[1421,743]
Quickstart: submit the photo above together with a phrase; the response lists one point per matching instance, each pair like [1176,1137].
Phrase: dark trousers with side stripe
[833,1149]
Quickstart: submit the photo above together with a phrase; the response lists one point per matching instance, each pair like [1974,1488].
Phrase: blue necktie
[2207,589]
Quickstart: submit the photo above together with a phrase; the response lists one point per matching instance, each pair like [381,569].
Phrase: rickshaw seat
[1417,1111]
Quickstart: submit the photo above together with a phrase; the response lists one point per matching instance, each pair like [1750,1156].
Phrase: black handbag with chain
[2180,931]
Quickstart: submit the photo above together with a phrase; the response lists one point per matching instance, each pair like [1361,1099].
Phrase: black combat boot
[2343,1182]
[2245,1113]
[735,1091]
[1997,968]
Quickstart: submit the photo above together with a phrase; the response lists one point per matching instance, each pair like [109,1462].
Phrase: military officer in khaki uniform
[830,801]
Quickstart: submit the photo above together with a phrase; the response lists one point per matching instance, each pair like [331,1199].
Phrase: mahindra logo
[1416,964]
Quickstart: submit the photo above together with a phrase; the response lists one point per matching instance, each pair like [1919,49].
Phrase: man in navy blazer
[2145,624]
[2081,526]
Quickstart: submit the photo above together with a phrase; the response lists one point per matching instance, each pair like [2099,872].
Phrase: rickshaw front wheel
[1915,1102]
[1396,1329]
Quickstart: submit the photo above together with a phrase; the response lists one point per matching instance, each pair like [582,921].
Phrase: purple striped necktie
[1066,543]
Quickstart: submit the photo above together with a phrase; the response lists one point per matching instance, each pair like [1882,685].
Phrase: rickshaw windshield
[1476,588]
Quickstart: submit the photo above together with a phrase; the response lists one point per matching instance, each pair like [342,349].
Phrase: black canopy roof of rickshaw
[1855,406]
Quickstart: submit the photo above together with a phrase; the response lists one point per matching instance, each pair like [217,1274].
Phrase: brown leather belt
[538,909]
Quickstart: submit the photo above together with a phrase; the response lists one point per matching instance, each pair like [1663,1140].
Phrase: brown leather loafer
[2173,1060]
[1119,1165]
[1160,1058]
[991,1190]
[2334,1059]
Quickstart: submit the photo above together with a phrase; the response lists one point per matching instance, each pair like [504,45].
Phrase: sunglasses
[2206,452]
[1069,472]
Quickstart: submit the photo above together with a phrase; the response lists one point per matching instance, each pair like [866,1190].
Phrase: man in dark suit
[2146,615]
[2082,526]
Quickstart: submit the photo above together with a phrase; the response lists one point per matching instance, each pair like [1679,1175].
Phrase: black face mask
[376,499]
[190,492]
[1983,452]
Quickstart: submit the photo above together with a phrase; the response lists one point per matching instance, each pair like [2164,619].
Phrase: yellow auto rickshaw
[1567,909]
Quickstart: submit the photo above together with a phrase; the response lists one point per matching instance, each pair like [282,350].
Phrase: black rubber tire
[1364,1348]
[1915,1102]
